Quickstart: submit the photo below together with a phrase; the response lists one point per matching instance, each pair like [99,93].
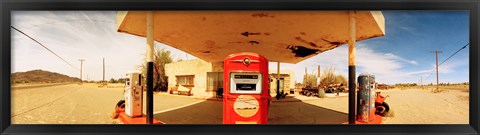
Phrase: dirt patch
[464,98]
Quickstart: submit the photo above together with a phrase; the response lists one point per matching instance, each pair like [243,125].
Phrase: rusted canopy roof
[281,36]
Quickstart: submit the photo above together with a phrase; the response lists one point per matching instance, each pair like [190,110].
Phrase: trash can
[366,98]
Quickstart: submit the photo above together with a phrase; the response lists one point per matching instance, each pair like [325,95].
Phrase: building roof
[280,36]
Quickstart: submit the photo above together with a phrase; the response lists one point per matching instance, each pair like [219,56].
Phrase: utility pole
[81,64]
[421,82]
[103,79]
[436,58]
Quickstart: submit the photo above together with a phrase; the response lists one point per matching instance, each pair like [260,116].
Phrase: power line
[44,47]
[455,53]
[448,59]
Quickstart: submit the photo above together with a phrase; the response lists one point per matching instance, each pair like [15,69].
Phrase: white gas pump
[133,94]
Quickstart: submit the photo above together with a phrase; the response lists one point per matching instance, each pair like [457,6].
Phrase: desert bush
[112,81]
[160,80]
[310,80]
[327,77]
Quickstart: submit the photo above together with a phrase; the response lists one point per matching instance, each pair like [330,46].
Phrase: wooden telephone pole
[81,64]
[436,58]
[103,79]
[421,82]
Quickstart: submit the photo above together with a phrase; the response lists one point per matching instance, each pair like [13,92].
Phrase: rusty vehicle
[332,88]
[310,91]
[383,87]
[335,88]
[381,107]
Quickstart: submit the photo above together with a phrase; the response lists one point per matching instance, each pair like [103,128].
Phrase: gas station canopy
[280,36]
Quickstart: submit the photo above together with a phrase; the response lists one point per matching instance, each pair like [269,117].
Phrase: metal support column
[150,49]
[278,81]
[351,69]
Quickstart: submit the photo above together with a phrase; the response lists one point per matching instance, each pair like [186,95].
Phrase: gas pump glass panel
[246,83]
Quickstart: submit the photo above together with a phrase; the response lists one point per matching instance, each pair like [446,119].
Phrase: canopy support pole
[150,49]
[351,69]
[278,81]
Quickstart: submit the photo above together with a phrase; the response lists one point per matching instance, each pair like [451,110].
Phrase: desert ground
[88,104]
[422,106]
[416,105]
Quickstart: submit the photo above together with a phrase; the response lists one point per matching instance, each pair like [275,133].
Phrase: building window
[214,81]
[185,80]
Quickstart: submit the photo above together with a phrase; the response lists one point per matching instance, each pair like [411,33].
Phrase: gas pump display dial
[246,83]
[246,106]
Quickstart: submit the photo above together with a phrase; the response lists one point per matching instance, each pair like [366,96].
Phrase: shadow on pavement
[303,113]
[210,112]
[206,112]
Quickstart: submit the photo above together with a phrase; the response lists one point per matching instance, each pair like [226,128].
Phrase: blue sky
[413,35]
[403,55]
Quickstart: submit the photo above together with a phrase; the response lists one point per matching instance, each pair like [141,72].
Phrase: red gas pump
[246,97]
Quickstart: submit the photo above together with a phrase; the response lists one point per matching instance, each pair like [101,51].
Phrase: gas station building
[204,78]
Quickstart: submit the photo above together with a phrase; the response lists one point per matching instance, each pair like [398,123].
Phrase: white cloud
[409,29]
[89,35]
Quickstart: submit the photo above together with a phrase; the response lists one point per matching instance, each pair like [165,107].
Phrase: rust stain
[305,41]
[260,15]
[303,33]
[268,34]
[206,52]
[210,43]
[301,51]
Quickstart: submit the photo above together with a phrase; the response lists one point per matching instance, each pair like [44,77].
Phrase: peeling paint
[305,41]
[246,34]
[333,43]
[301,51]
[253,42]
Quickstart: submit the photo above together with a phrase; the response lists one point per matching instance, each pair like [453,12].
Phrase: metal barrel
[366,98]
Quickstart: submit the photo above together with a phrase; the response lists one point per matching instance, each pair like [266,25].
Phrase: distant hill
[41,76]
